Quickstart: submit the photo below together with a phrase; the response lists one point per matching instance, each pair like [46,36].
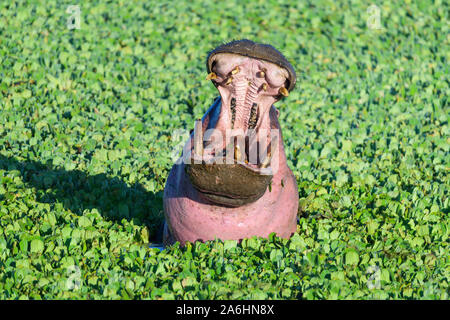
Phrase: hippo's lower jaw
[230,185]
[235,182]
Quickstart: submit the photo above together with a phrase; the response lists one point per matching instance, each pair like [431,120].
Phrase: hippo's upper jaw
[235,166]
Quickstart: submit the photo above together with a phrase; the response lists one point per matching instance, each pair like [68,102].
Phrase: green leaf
[351,257]
[37,246]
[229,244]
[84,222]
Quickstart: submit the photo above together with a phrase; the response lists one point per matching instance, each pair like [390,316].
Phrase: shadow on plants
[78,191]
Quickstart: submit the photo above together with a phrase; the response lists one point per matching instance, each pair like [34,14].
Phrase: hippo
[232,180]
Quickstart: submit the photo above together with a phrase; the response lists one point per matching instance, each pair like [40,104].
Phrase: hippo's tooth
[235,70]
[211,76]
[260,74]
[237,153]
[283,91]
[273,147]
[264,86]
[198,138]
[230,79]
[266,161]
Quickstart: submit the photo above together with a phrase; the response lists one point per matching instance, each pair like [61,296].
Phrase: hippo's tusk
[237,153]
[273,146]
[211,76]
[266,161]
[198,138]
[283,91]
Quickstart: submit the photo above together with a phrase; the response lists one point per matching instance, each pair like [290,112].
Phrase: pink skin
[189,215]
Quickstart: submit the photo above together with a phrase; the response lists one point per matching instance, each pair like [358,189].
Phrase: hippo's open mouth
[235,145]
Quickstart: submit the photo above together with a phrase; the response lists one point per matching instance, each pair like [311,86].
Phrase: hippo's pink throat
[235,147]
